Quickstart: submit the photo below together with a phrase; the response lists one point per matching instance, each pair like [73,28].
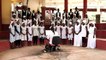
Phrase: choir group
[28,28]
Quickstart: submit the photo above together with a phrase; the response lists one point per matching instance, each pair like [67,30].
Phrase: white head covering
[14,14]
[84,21]
[78,21]
[17,20]
[24,16]
[58,22]
[92,22]
[70,23]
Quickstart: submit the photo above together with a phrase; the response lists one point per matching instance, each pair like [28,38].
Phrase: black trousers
[84,42]
[50,48]
[41,40]
[18,43]
[35,39]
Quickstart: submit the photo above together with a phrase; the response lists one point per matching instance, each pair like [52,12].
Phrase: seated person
[53,42]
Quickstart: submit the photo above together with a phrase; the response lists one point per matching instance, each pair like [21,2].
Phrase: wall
[35,4]
[6,8]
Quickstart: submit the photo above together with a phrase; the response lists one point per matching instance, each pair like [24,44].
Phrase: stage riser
[101,44]
[101,26]
[4,45]
[101,33]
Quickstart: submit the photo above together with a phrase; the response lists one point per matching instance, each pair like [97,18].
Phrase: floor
[67,53]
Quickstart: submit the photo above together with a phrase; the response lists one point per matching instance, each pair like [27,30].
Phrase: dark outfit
[17,42]
[58,14]
[24,13]
[33,17]
[77,14]
[28,14]
[55,41]
[35,39]
[70,15]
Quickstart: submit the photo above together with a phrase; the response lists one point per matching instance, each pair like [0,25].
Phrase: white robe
[83,31]
[50,35]
[42,31]
[35,30]
[23,37]
[17,36]
[77,38]
[63,36]
[91,40]
[70,34]
[12,29]
[58,29]
[29,32]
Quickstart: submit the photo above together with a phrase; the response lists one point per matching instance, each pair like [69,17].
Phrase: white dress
[58,29]
[83,31]
[26,22]
[36,20]
[63,36]
[42,31]
[29,32]
[17,35]
[77,38]
[35,30]
[23,34]
[29,21]
[12,29]
[70,34]
[38,16]
[91,40]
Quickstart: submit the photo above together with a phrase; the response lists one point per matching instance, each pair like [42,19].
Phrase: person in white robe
[29,33]
[84,33]
[63,33]
[24,34]
[25,21]
[58,27]
[12,34]
[17,34]
[77,34]
[29,21]
[42,33]
[35,32]
[91,35]
[70,32]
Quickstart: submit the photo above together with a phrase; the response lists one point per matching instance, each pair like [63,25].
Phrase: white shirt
[77,28]
[35,30]
[69,30]
[23,30]
[41,29]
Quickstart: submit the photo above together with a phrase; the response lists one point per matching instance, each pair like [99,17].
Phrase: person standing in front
[35,32]
[12,34]
[70,32]
[77,35]
[24,34]
[91,35]
[42,33]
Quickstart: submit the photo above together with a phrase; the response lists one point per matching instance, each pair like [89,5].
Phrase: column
[84,8]
[0,16]
[66,5]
